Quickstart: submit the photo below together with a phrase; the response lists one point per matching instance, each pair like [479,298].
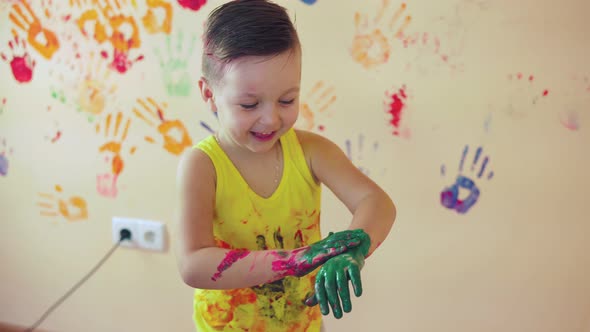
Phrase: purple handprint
[449,197]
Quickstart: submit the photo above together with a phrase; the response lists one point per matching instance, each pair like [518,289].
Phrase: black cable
[125,234]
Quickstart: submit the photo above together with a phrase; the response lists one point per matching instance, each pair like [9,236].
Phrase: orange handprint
[41,39]
[150,19]
[151,112]
[91,18]
[317,101]
[74,209]
[106,183]
[111,24]
[371,43]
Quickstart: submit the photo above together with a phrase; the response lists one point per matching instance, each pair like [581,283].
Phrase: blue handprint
[362,163]
[309,2]
[449,197]
[4,152]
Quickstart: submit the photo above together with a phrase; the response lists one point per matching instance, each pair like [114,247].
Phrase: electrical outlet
[145,234]
[119,224]
[151,235]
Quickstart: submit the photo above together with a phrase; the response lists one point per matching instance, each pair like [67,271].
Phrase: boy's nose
[271,116]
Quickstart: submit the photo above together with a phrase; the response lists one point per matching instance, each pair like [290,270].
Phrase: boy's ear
[207,94]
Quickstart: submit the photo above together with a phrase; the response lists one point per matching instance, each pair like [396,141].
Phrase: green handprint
[331,285]
[175,66]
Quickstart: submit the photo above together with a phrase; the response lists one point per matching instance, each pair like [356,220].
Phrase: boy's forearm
[375,215]
[218,268]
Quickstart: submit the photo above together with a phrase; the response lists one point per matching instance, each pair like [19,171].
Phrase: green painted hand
[331,283]
[306,259]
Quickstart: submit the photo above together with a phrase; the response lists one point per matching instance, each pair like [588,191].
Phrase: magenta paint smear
[120,61]
[193,5]
[230,258]
[21,63]
[294,264]
[396,106]
[287,264]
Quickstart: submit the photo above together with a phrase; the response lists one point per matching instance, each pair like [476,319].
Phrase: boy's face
[257,99]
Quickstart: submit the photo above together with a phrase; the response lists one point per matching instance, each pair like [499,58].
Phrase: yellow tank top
[288,219]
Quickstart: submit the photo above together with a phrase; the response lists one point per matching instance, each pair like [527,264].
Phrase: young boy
[249,196]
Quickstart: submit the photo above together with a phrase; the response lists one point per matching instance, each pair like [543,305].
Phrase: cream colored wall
[516,261]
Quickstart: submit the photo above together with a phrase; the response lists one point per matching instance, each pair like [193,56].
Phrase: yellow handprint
[23,17]
[370,45]
[150,20]
[152,113]
[74,209]
[318,100]
[95,87]
[106,183]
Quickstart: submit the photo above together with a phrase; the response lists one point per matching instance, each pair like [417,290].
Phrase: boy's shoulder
[312,142]
[194,162]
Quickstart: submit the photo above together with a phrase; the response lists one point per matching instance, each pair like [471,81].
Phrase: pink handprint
[20,61]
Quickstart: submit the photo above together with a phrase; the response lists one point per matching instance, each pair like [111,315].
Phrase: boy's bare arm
[203,265]
[218,268]
[372,209]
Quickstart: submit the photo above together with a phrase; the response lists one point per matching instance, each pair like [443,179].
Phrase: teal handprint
[174,65]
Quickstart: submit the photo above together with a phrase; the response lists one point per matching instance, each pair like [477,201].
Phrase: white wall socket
[145,234]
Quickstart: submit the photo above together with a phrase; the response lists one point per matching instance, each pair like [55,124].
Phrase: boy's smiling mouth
[263,136]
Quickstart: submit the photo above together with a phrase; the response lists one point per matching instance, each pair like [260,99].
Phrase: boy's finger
[332,293]
[320,293]
[311,301]
[343,291]
[355,279]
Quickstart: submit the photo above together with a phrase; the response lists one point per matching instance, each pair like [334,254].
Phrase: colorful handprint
[317,102]
[449,197]
[395,105]
[174,135]
[19,59]
[41,39]
[111,21]
[84,84]
[112,150]
[174,64]
[358,157]
[150,19]
[73,209]
[372,42]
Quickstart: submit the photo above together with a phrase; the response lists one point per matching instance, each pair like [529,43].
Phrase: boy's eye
[287,102]
[249,106]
